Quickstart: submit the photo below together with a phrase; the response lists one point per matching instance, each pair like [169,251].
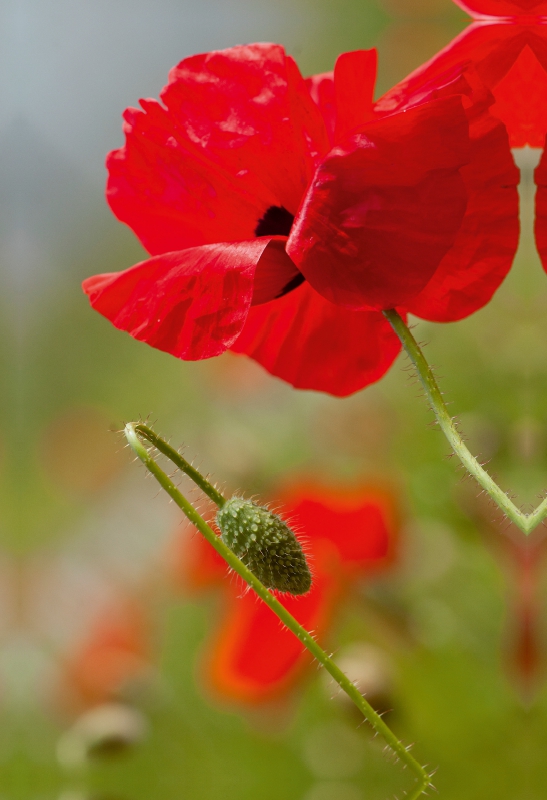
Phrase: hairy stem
[526,522]
[132,432]
[180,462]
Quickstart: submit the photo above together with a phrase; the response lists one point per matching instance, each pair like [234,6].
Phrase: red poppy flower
[212,180]
[114,654]
[348,536]
[342,201]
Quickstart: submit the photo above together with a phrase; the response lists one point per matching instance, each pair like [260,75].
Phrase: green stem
[132,432]
[526,522]
[536,517]
[180,462]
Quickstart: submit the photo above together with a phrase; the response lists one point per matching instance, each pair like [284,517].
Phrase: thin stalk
[526,522]
[180,462]
[423,778]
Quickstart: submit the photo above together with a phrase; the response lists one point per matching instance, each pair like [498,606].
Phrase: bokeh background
[456,627]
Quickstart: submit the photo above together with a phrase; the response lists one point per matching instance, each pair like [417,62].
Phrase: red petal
[275,272]
[383,211]
[361,523]
[313,344]
[521,96]
[486,243]
[489,50]
[541,209]
[345,95]
[504,8]
[238,134]
[192,303]
[496,53]
[321,89]
[193,563]
[354,81]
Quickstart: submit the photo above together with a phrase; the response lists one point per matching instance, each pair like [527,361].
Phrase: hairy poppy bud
[265,544]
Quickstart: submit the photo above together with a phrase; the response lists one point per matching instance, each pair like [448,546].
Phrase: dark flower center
[277,221]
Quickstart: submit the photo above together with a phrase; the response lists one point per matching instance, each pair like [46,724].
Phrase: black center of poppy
[294,283]
[277,221]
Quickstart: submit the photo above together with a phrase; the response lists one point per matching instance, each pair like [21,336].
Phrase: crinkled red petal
[314,344]
[275,273]
[238,133]
[521,98]
[485,56]
[321,89]
[485,246]
[383,210]
[489,50]
[192,303]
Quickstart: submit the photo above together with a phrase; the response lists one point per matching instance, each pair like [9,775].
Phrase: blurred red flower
[250,251]
[113,655]
[347,535]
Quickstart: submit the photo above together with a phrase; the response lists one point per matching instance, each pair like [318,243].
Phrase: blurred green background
[80,526]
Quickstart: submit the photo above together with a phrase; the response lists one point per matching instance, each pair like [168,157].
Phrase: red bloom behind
[114,654]
[212,180]
[509,55]
[348,535]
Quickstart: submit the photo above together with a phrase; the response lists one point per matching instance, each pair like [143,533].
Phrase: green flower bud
[265,544]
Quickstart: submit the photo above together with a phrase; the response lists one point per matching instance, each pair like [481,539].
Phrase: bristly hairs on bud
[265,544]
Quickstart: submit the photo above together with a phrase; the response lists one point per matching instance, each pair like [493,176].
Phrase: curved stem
[132,432]
[180,462]
[536,517]
[526,522]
